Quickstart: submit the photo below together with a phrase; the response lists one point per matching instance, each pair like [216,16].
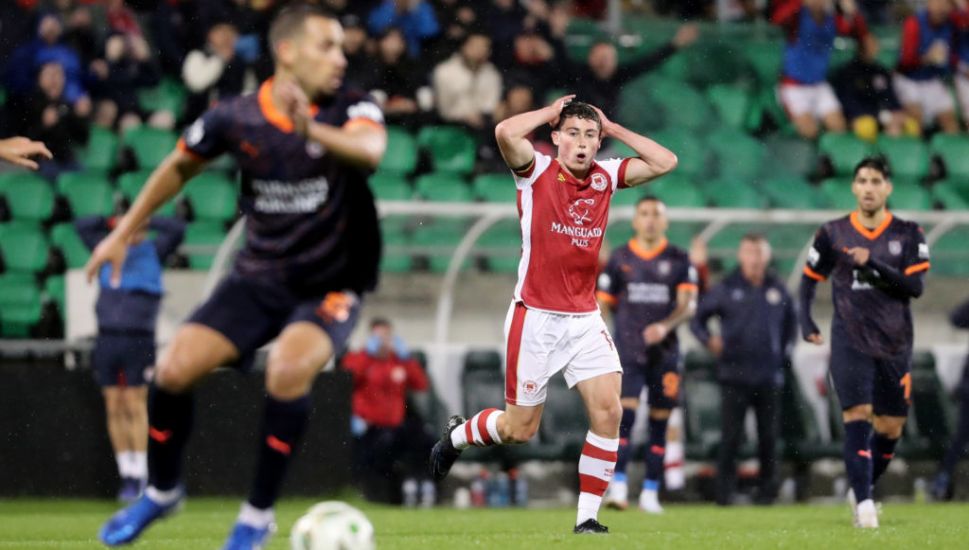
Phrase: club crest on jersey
[894,248]
[314,149]
[580,211]
[529,387]
[773,296]
[663,267]
[599,182]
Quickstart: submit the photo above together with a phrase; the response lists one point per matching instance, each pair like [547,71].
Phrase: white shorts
[962,92]
[817,100]
[931,96]
[540,343]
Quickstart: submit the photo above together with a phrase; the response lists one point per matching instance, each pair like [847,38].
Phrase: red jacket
[380,386]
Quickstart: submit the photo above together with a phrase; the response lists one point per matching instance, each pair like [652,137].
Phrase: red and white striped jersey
[563,221]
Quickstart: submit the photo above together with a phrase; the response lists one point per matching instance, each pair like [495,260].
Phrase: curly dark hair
[578,109]
[878,163]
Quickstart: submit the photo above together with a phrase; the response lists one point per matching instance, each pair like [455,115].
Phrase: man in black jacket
[942,490]
[758,325]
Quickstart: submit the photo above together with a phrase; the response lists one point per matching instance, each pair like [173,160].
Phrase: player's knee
[659,414]
[289,379]
[890,427]
[133,400]
[856,413]
[172,375]
[606,415]
[112,403]
[631,403]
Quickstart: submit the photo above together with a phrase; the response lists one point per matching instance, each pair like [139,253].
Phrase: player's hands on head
[296,105]
[654,333]
[557,107]
[20,150]
[113,249]
[815,338]
[604,122]
[859,255]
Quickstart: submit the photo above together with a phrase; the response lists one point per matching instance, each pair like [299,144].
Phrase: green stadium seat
[792,192]
[684,106]
[390,187]
[150,145]
[212,196]
[909,195]
[207,236]
[101,152]
[930,404]
[837,193]
[88,194]
[451,148]
[693,156]
[169,95]
[733,193]
[731,103]
[908,157]
[629,197]
[495,188]
[130,185]
[24,247]
[29,197]
[501,246]
[439,239]
[681,233]
[790,156]
[55,291]
[950,255]
[395,258]
[618,232]
[676,192]
[739,156]
[20,306]
[401,154]
[765,59]
[952,150]
[64,236]
[951,194]
[701,395]
[443,187]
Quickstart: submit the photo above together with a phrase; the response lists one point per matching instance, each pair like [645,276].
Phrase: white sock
[163,498]
[122,460]
[139,464]
[481,430]
[256,517]
[596,467]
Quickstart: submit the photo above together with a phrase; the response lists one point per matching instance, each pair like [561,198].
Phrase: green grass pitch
[72,524]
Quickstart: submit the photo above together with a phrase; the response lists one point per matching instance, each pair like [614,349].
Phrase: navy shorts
[250,313]
[660,373]
[860,379]
[122,359]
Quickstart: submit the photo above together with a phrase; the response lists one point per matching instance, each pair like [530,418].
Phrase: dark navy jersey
[641,286]
[875,320]
[311,223]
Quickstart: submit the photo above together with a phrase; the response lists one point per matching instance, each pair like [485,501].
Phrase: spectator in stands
[21,151]
[864,88]
[505,19]
[533,63]
[127,310]
[458,18]
[757,331]
[359,71]
[126,68]
[51,118]
[600,80]
[397,81]
[811,27]
[215,72]
[416,18]
[924,65]
[80,33]
[26,61]
[121,18]
[468,86]
[943,488]
[961,18]
[383,374]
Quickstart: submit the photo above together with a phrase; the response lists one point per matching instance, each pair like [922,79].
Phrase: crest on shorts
[663,267]
[599,182]
[773,296]
[529,387]
[894,248]
[336,307]
[581,211]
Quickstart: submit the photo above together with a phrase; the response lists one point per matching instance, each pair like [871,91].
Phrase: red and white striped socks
[481,430]
[596,467]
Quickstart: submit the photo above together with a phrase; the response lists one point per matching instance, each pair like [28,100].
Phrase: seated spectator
[467,87]
[126,68]
[811,27]
[416,18]
[26,61]
[214,72]
[518,99]
[961,18]
[397,81]
[864,88]
[355,47]
[924,65]
[121,18]
[533,63]
[505,20]
[388,438]
[459,19]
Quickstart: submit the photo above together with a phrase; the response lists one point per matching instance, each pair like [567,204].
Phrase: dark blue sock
[882,452]
[283,425]
[169,425]
[858,457]
[656,449]
[625,430]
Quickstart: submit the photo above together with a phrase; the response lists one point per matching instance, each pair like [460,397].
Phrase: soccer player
[304,146]
[19,150]
[553,323]
[125,345]
[651,288]
[877,263]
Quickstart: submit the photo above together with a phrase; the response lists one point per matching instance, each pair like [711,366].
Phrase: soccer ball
[332,525]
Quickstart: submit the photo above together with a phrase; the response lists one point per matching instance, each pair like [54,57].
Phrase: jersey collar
[567,177]
[870,234]
[645,254]
[273,115]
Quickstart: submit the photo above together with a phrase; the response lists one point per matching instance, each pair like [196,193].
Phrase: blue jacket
[417,24]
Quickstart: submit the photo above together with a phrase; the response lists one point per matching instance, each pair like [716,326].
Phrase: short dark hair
[879,163]
[649,198]
[578,109]
[754,237]
[379,322]
[289,22]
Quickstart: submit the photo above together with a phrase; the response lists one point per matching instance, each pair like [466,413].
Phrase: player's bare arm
[163,184]
[685,308]
[21,151]
[653,159]
[511,133]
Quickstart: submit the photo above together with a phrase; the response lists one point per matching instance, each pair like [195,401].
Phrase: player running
[877,264]
[651,287]
[553,323]
[304,146]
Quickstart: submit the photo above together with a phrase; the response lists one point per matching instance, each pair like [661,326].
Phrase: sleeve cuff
[607,298]
[814,274]
[917,268]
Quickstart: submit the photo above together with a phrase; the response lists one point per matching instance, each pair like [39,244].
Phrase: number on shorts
[671,385]
[907,384]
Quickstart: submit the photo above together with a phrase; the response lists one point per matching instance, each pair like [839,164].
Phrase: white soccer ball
[332,525]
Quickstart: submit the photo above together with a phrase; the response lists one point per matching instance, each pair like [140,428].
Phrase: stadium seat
[701,396]
[765,60]
[439,239]
[564,422]
[792,192]
[29,197]
[950,255]
[844,150]
[739,156]
[501,246]
[790,156]
[677,192]
[495,188]
[169,95]
[401,155]
[684,106]
[443,187]
[952,151]
[150,145]
[629,197]
[837,193]
[693,156]
[908,157]
[951,194]
[212,196]
[390,187]
[20,306]
[930,407]
[24,247]
[395,257]
[206,238]
[101,152]
[55,291]
[88,194]
[909,195]
[130,185]
[731,103]
[733,193]
[451,148]
[64,236]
